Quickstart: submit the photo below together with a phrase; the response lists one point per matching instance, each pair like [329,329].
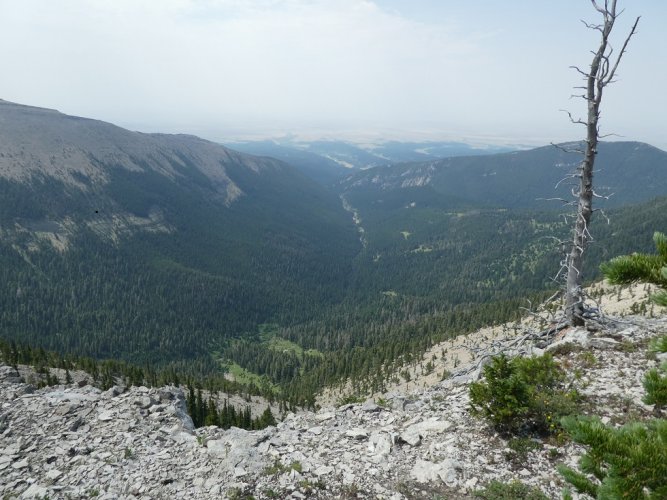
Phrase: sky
[483,71]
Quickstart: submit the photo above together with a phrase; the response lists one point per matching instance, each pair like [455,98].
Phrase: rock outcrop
[81,442]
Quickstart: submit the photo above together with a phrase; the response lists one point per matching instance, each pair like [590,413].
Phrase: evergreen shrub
[642,267]
[521,396]
[658,344]
[629,462]
[655,380]
[655,385]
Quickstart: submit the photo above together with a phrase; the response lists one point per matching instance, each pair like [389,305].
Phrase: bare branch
[612,134]
[578,120]
[600,9]
[623,49]
[576,68]
[571,176]
[597,27]
[600,196]
[602,212]
[562,200]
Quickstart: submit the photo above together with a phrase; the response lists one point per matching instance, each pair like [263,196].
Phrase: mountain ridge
[518,179]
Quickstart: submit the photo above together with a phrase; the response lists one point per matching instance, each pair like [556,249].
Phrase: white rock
[321,417]
[628,332]
[432,425]
[356,433]
[105,416]
[370,406]
[471,483]
[411,436]
[35,491]
[425,471]
[379,444]
[323,470]
[578,337]
[20,465]
[53,475]
[602,343]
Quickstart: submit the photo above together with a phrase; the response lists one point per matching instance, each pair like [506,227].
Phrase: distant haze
[480,71]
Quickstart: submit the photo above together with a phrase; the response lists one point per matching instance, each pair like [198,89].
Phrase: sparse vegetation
[350,399]
[587,359]
[520,448]
[515,490]
[279,468]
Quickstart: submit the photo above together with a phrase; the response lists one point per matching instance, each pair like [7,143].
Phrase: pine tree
[212,415]
[655,385]
[266,419]
[627,462]
[642,267]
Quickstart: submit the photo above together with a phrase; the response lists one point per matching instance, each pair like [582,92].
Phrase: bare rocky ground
[79,442]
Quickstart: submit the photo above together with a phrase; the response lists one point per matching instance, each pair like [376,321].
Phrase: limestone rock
[69,441]
[446,471]
[603,343]
[577,337]
[356,433]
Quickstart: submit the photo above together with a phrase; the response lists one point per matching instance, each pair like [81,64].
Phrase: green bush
[642,267]
[655,385]
[629,462]
[522,395]
[515,490]
[520,448]
[658,344]
[655,381]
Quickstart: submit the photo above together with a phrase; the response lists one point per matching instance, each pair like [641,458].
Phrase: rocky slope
[80,442]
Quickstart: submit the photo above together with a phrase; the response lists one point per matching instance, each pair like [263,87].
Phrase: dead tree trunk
[600,74]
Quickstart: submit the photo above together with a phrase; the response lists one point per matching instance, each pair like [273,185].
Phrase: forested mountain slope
[155,247]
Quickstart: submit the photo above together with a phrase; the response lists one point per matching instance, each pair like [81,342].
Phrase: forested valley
[171,259]
[453,273]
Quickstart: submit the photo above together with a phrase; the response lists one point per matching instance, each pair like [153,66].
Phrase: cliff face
[69,441]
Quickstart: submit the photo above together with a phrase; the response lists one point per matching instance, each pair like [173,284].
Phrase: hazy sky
[488,70]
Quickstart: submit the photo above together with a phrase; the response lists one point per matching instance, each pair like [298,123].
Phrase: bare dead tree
[601,73]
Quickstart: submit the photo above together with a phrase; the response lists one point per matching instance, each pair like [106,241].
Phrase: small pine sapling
[642,267]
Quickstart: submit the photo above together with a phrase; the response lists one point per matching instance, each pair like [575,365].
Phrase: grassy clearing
[243,376]
[268,333]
